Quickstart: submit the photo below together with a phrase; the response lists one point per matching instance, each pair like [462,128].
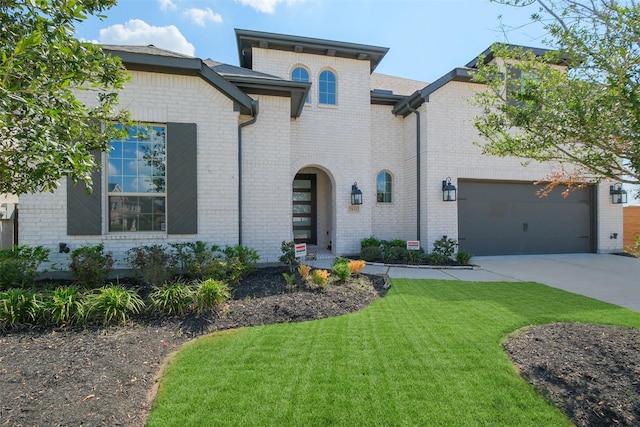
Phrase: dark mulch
[108,376]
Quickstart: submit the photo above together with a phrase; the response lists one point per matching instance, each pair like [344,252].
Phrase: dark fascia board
[421,96]
[378,98]
[488,55]
[297,91]
[247,39]
[185,66]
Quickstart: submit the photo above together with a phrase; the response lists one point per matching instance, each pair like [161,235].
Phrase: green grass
[428,353]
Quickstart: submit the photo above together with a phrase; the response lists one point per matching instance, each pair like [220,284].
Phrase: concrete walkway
[610,278]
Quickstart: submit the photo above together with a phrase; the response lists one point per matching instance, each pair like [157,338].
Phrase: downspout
[417,113]
[254,112]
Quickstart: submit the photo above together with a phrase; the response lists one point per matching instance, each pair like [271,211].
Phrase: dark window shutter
[84,210]
[182,177]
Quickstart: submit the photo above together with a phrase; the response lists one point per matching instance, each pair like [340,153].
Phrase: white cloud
[167,5]
[265,6]
[202,16]
[138,32]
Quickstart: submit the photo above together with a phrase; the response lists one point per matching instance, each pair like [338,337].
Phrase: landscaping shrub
[20,306]
[290,280]
[320,277]
[304,271]
[176,298]
[396,243]
[356,266]
[435,258]
[211,293]
[371,253]
[113,303]
[341,270]
[65,306]
[197,261]
[370,242]
[19,266]
[395,255]
[154,263]
[445,247]
[90,266]
[463,258]
[416,257]
[240,261]
[288,256]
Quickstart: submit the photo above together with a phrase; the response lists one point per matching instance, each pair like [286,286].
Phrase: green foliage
[371,253]
[241,261]
[210,294]
[395,255]
[288,256]
[341,270]
[290,279]
[154,263]
[19,266]
[176,298]
[591,113]
[90,266]
[463,257]
[370,242]
[416,257]
[20,306]
[320,278]
[197,261]
[113,304]
[435,258]
[42,65]
[65,306]
[445,247]
[395,243]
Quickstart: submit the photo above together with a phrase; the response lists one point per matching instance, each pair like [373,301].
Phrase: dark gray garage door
[498,218]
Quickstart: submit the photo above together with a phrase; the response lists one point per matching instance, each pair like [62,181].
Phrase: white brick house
[269,151]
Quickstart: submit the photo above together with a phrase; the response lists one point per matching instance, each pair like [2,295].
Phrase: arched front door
[305,209]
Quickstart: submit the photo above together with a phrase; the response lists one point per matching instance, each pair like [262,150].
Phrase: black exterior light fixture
[356,194]
[448,191]
[618,195]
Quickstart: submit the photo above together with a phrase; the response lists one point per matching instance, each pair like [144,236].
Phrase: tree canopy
[46,133]
[578,103]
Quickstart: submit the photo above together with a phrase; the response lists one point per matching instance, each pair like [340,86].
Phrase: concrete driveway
[610,278]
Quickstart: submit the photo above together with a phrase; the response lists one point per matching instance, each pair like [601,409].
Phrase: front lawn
[428,353]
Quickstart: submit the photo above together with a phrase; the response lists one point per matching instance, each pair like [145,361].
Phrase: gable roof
[152,59]
[247,40]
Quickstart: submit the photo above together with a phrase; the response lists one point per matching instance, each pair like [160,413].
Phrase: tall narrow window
[137,180]
[299,74]
[327,88]
[384,187]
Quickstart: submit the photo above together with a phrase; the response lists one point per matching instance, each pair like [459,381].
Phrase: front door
[304,209]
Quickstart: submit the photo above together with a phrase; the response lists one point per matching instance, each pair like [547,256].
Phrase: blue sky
[426,38]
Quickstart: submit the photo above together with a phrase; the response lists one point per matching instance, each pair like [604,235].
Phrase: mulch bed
[108,376]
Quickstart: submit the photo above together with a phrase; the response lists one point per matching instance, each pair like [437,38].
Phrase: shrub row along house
[283,146]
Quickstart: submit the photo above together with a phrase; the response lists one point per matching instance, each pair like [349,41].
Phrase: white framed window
[384,187]
[327,88]
[301,74]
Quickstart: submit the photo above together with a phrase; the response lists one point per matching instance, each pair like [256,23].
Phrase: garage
[508,218]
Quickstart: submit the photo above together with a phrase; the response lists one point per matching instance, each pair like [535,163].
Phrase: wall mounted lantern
[356,194]
[618,195]
[448,191]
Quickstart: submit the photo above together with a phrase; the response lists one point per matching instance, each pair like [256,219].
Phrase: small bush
[371,253]
[357,266]
[370,242]
[320,277]
[90,266]
[395,255]
[341,270]
[65,306]
[241,261]
[211,293]
[290,279]
[197,261]
[463,258]
[176,298]
[20,306]
[304,271]
[396,243]
[113,303]
[416,257]
[19,266]
[445,247]
[289,255]
[436,259]
[154,263]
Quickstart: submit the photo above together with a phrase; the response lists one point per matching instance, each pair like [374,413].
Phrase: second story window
[384,187]
[327,88]
[299,74]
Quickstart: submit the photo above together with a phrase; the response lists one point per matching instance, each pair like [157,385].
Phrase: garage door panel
[509,218]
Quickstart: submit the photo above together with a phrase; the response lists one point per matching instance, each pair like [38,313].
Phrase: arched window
[327,88]
[384,187]
[300,74]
